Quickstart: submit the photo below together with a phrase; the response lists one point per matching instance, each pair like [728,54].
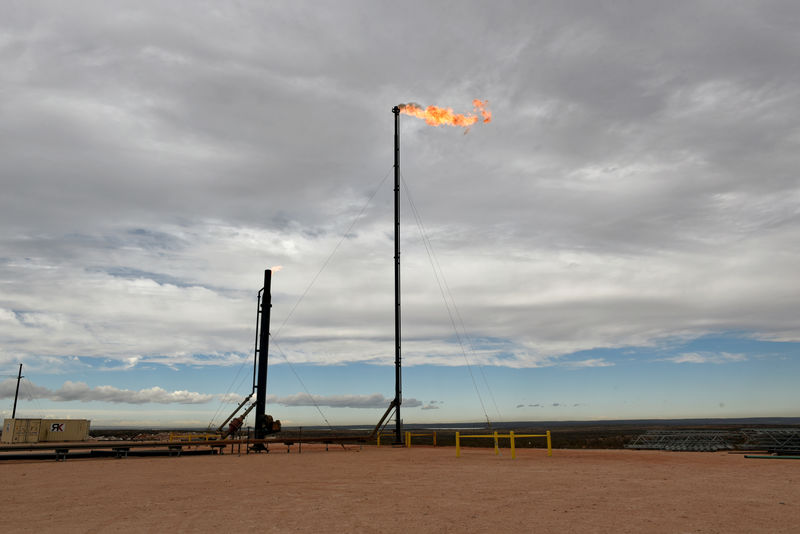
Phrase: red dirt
[406,490]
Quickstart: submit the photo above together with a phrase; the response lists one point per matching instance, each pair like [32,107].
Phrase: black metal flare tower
[262,423]
[398,398]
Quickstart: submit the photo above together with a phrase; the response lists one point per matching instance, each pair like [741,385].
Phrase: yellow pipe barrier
[410,435]
[407,437]
[511,436]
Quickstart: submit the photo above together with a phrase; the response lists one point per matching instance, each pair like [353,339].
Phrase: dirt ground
[413,490]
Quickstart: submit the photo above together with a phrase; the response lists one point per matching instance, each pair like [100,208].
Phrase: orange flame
[276,268]
[436,116]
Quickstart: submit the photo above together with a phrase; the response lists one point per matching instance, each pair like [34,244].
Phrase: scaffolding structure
[773,440]
[684,440]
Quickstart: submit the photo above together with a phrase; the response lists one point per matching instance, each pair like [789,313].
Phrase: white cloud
[79,391]
[591,362]
[631,190]
[376,400]
[707,357]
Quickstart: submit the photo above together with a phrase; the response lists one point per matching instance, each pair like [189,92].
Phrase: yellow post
[549,445]
[434,438]
[408,440]
[496,447]
[379,439]
[513,450]
[458,445]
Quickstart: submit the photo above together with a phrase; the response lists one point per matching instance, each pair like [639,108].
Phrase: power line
[27,390]
[333,252]
[305,292]
[444,289]
[297,376]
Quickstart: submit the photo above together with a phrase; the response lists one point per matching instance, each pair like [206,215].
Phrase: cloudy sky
[621,241]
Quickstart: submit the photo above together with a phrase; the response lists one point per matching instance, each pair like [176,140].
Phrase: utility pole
[16,395]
